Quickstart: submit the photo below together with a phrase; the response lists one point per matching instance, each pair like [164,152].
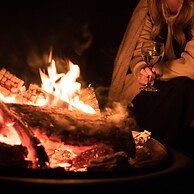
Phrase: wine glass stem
[149,80]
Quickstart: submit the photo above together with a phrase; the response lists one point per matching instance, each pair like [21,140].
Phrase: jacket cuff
[138,67]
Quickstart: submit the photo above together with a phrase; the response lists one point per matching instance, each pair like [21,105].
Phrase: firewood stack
[70,127]
[11,85]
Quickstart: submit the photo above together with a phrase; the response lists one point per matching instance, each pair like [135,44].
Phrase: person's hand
[142,76]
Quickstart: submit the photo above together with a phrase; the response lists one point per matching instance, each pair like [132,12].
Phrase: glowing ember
[8,134]
[61,155]
[11,137]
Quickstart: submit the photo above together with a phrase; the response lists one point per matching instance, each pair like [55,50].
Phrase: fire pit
[161,175]
[56,138]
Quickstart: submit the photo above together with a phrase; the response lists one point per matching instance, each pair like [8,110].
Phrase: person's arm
[137,62]
[183,66]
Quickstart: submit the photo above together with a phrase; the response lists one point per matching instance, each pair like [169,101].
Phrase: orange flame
[64,87]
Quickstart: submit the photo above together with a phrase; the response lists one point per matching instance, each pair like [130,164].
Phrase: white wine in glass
[152,53]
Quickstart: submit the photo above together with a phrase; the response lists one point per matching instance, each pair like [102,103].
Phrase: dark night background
[87,32]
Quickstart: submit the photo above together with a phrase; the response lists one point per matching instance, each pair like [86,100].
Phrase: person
[168,113]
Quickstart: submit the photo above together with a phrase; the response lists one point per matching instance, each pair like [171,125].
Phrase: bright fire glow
[8,134]
[11,137]
[62,90]
[64,87]
[60,154]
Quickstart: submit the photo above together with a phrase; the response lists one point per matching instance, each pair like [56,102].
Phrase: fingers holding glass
[152,53]
[144,75]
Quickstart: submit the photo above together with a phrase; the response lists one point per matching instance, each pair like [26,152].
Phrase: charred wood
[96,152]
[72,127]
[111,162]
[13,156]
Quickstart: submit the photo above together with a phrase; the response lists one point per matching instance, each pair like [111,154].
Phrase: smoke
[121,116]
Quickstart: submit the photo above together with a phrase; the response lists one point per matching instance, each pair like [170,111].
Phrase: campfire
[60,125]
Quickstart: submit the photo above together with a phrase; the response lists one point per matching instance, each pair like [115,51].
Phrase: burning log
[72,127]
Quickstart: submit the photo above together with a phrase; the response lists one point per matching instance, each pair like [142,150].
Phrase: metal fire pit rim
[178,162]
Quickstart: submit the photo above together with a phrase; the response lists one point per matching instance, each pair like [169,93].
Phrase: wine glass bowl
[152,53]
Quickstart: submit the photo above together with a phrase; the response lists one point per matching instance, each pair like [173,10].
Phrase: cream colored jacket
[124,87]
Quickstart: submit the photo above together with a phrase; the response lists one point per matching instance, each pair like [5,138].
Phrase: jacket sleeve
[137,61]
[183,66]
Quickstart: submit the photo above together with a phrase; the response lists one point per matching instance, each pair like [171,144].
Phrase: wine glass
[152,53]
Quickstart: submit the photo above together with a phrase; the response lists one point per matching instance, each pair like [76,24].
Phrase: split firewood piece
[33,95]
[88,96]
[9,83]
[74,127]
